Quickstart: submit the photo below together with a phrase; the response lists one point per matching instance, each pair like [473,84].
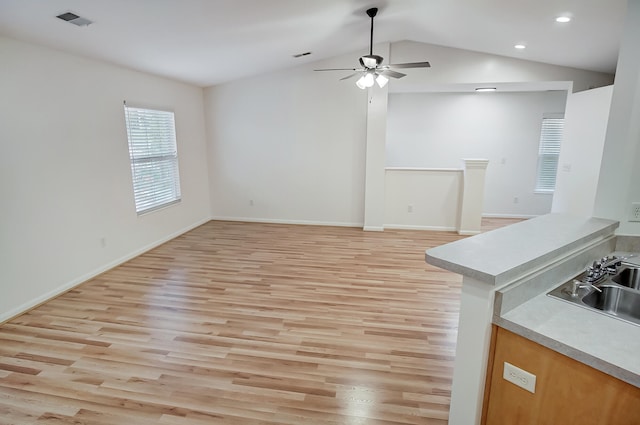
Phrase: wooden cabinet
[567,392]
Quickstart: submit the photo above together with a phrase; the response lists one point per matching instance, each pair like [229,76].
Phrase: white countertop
[501,255]
[505,255]
[605,343]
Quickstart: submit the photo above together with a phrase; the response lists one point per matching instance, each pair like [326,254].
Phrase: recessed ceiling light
[563,19]
[520,46]
[483,89]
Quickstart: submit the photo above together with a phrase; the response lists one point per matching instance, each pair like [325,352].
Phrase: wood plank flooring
[244,323]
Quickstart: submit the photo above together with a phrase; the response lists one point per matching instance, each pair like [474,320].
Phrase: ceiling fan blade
[349,76]
[337,69]
[392,74]
[411,65]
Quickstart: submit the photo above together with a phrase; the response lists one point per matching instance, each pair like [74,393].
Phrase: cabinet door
[567,392]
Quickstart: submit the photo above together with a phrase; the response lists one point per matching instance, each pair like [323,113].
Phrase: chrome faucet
[606,266]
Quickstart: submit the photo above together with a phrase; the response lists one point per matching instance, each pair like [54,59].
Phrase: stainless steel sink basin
[619,296]
[617,301]
[629,277]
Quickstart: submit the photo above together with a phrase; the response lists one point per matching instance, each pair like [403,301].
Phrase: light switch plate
[519,377]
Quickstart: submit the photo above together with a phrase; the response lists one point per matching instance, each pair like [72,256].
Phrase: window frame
[153,156]
[549,145]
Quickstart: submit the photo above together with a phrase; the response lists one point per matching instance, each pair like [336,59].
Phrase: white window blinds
[154,158]
[548,154]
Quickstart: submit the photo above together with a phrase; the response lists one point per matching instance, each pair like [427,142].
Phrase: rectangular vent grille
[74,19]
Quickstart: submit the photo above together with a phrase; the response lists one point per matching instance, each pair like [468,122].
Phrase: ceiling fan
[372,69]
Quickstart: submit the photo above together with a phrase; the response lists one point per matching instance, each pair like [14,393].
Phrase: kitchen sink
[629,277]
[617,301]
[615,296]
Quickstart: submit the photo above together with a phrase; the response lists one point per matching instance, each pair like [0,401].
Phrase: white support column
[472,352]
[375,156]
[472,196]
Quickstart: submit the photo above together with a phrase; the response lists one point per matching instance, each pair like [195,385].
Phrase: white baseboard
[524,216]
[8,315]
[284,221]
[414,227]
[373,228]
[469,232]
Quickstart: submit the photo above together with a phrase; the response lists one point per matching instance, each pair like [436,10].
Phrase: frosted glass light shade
[382,80]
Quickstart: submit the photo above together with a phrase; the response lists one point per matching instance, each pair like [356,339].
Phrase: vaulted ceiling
[207,42]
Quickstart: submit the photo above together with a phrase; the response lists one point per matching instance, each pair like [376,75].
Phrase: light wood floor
[244,323]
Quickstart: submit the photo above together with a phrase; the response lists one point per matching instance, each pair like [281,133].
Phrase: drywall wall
[437,130]
[288,147]
[619,173]
[427,199]
[65,181]
[450,65]
[585,128]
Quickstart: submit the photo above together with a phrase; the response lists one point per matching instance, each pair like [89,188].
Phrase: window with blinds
[154,158]
[548,154]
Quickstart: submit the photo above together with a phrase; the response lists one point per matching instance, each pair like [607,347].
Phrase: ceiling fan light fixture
[381,80]
[369,80]
[360,83]
[366,81]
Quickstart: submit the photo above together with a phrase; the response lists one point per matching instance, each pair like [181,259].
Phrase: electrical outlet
[410,208]
[251,202]
[635,212]
[516,200]
[519,377]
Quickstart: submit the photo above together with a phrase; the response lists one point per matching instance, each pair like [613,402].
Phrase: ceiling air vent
[74,19]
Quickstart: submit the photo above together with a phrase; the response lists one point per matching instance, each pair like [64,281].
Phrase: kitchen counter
[506,275]
[602,342]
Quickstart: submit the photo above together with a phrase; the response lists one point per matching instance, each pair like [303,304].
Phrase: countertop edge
[475,257]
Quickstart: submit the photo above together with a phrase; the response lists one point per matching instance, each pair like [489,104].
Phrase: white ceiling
[207,42]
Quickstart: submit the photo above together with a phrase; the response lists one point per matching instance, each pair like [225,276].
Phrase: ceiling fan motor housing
[371,61]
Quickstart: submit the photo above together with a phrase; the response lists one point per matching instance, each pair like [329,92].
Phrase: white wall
[450,65]
[437,130]
[620,171]
[65,180]
[583,139]
[293,142]
[434,196]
